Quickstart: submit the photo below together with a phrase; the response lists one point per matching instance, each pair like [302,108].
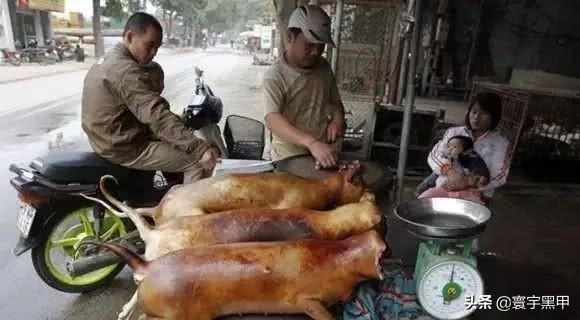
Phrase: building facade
[6,35]
[25,21]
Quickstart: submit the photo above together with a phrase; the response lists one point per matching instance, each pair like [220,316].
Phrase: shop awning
[45,5]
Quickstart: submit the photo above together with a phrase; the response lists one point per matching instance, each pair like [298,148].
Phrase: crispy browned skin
[263,190]
[250,224]
[303,276]
[245,225]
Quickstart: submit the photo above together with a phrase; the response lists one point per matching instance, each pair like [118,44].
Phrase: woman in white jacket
[481,121]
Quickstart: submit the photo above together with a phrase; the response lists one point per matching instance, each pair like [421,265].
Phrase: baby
[464,159]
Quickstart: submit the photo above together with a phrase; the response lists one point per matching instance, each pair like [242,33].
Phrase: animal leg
[129,307]
[316,310]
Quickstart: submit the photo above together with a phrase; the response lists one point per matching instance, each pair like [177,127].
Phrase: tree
[121,9]
[223,15]
[169,9]
[135,6]
[190,11]
[97,32]
[185,11]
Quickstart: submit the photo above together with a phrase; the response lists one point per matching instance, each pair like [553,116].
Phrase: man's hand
[210,158]
[456,181]
[335,129]
[324,153]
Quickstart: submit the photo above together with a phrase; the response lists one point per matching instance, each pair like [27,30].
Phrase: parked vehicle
[33,54]
[54,220]
[60,49]
[11,57]
[66,53]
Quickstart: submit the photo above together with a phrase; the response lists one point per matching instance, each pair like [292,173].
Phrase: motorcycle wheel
[58,246]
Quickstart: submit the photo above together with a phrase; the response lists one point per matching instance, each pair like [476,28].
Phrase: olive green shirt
[307,98]
[122,111]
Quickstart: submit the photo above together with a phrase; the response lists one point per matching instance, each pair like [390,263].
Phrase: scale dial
[443,287]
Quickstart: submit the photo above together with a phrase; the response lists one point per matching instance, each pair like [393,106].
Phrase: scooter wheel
[59,245]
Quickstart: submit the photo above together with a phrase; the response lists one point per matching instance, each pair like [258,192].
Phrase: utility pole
[97,31]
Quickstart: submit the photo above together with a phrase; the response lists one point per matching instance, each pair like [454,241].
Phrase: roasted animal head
[352,186]
[370,246]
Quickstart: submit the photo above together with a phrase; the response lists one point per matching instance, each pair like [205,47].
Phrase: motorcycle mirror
[198,72]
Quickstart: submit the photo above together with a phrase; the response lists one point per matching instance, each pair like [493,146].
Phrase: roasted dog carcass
[303,276]
[261,190]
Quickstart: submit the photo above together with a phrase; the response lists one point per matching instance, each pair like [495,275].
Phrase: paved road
[33,113]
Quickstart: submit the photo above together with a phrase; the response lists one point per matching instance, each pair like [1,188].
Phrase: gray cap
[314,23]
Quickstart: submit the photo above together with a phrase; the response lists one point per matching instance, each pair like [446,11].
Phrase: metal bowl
[443,217]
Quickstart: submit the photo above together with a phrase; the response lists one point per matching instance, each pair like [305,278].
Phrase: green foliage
[121,9]
[222,15]
[115,9]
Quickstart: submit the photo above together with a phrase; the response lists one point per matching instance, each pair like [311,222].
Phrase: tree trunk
[185,30]
[193,25]
[97,32]
[165,22]
[170,27]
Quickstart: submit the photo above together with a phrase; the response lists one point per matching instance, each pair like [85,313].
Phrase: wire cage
[544,129]
[366,33]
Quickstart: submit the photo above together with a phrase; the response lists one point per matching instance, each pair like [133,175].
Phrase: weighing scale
[445,271]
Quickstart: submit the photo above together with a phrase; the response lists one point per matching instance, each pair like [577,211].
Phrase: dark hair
[295,31]
[466,142]
[489,102]
[139,21]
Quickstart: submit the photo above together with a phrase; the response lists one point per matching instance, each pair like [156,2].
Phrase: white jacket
[492,147]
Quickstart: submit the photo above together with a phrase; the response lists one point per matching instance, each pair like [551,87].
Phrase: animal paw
[126,313]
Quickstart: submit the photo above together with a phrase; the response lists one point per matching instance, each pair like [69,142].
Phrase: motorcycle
[64,52]
[12,57]
[55,220]
[42,56]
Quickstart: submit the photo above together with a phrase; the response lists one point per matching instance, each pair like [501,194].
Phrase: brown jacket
[121,111]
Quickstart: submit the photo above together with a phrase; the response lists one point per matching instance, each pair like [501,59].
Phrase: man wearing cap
[302,106]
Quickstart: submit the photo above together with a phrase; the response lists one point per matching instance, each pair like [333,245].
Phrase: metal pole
[474,40]
[410,98]
[405,53]
[334,61]
[403,73]
[429,57]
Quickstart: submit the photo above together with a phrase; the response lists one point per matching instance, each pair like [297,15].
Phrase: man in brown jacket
[126,119]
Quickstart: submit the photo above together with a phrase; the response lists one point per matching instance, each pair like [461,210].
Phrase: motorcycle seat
[78,167]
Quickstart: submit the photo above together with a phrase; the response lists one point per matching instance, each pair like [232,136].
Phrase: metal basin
[443,217]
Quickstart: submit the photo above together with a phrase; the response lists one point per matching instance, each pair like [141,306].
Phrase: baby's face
[454,149]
